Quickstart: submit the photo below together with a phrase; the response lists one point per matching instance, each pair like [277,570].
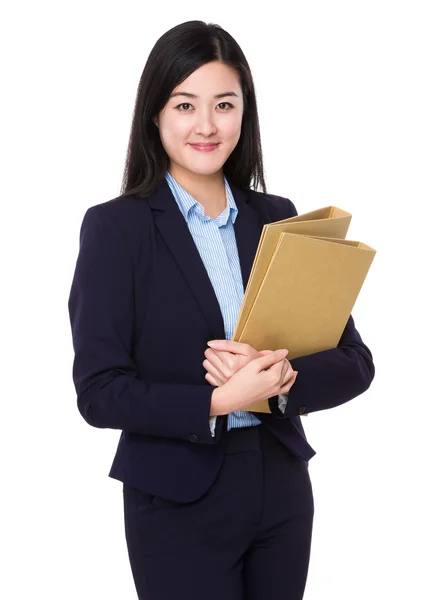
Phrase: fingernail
[212,343]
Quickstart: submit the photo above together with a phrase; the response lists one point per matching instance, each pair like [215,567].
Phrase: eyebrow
[188,95]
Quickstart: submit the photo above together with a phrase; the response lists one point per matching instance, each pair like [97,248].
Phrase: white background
[348,101]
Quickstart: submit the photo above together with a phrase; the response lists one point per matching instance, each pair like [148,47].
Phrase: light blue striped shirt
[216,243]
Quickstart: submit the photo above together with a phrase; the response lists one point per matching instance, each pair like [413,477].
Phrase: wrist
[217,405]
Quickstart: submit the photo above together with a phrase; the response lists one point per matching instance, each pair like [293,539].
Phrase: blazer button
[193,437]
[302,409]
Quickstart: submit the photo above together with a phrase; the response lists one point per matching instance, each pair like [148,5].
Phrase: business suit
[142,309]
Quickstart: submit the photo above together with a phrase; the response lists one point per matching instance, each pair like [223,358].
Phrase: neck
[208,190]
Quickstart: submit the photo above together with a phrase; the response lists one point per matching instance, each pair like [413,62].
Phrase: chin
[204,169]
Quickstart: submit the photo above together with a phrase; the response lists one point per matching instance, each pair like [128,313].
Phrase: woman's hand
[224,358]
[261,378]
[290,376]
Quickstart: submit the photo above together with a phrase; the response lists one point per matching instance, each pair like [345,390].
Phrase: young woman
[218,500]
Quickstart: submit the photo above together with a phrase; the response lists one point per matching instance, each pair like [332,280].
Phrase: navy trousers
[247,538]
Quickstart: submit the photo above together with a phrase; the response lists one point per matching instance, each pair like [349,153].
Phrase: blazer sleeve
[331,377]
[101,309]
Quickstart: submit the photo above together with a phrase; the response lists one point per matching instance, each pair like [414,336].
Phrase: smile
[208,148]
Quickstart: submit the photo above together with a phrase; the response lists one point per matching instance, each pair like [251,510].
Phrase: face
[206,108]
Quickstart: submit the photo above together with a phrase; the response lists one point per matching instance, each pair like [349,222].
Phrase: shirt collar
[187,203]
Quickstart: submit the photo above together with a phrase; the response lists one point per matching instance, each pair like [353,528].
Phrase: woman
[218,501]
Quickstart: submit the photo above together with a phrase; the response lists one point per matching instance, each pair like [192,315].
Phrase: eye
[184,104]
[229,104]
[188,104]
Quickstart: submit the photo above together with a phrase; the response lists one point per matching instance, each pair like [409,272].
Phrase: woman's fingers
[232,346]
[224,362]
[211,380]
[216,358]
[285,370]
[282,370]
[287,384]
[288,375]
[211,369]
[269,360]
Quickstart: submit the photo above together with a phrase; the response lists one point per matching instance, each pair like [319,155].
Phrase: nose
[205,122]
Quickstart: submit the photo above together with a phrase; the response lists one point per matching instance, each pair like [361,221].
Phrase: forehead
[210,80]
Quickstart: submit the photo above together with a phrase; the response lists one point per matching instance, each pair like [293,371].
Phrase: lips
[204,147]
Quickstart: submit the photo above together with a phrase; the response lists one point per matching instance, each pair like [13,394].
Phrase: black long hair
[174,57]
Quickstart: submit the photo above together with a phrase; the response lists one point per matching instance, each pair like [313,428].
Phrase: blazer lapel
[173,228]
[247,229]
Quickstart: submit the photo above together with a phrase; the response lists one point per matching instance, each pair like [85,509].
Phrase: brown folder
[302,286]
[329,221]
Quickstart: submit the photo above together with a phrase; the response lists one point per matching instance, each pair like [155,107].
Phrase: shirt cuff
[213,425]
[282,401]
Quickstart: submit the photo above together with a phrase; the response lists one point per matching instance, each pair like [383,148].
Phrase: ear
[155,120]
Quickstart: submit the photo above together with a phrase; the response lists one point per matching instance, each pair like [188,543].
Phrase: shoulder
[123,210]
[277,207]
[125,219]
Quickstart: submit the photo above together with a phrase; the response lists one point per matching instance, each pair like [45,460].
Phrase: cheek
[231,130]
[174,133]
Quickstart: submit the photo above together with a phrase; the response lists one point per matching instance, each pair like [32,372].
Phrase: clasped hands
[245,374]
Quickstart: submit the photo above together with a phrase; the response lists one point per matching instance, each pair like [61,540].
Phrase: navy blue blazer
[142,309]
